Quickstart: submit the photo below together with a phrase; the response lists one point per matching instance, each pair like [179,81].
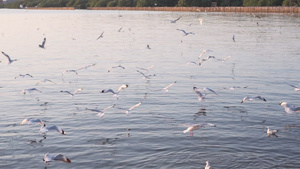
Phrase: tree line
[83,4]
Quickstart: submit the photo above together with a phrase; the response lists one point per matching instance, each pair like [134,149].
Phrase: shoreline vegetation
[264,9]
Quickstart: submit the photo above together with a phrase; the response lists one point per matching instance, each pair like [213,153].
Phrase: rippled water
[265,59]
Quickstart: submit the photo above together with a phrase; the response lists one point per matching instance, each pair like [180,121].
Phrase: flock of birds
[201,94]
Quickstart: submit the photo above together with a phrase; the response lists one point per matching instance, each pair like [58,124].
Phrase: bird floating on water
[271,132]
[207,165]
[289,108]
[49,158]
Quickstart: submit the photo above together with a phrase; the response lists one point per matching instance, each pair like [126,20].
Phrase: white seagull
[30,90]
[114,67]
[207,165]
[223,60]
[72,94]
[186,33]
[191,128]
[295,88]
[43,44]
[146,69]
[128,110]
[9,59]
[200,95]
[101,112]
[49,158]
[289,108]
[44,129]
[87,66]
[32,121]
[271,132]
[204,51]
[206,59]
[67,71]
[167,87]
[145,76]
[251,98]
[124,86]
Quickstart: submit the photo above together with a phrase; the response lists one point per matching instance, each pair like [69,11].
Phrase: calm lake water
[264,60]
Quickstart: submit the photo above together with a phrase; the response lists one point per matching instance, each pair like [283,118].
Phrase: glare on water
[264,61]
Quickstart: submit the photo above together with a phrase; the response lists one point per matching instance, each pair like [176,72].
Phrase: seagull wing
[208,89]
[7,56]
[169,85]
[108,107]
[61,157]
[108,90]
[261,98]
[76,91]
[122,87]
[135,106]
[54,127]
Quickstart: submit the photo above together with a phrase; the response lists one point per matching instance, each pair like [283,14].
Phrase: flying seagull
[21,75]
[200,95]
[145,76]
[9,59]
[101,36]
[43,44]
[295,88]
[124,86]
[251,98]
[174,21]
[67,71]
[32,121]
[49,158]
[44,129]
[101,112]
[186,33]
[167,87]
[114,67]
[72,94]
[45,80]
[30,90]
[191,128]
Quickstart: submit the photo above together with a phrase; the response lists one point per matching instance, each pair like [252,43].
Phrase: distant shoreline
[268,9]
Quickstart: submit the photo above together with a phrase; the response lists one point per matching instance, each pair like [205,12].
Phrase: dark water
[264,59]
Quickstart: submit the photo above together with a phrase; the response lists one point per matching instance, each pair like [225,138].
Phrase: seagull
[186,33]
[124,86]
[128,110]
[30,90]
[167,87]
[204,51]
[193,62]
[233,38]
[43,44]
[72,94]
[45,80]
[9,60]
[174,21]
[193,127]
[148,46]
[101,112]
[44,129]
[200,20]
[223,60]
[251,98]
[201,96]
[210,90]
[145,76]
[295,88]
[67,71]
[271,132]
[207,165]
[289,108]
[32,121]
[119,66]
[20,75]
[206,59]
[146,69]
[101,36]
[87,66]
[49,158]
[120,29]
